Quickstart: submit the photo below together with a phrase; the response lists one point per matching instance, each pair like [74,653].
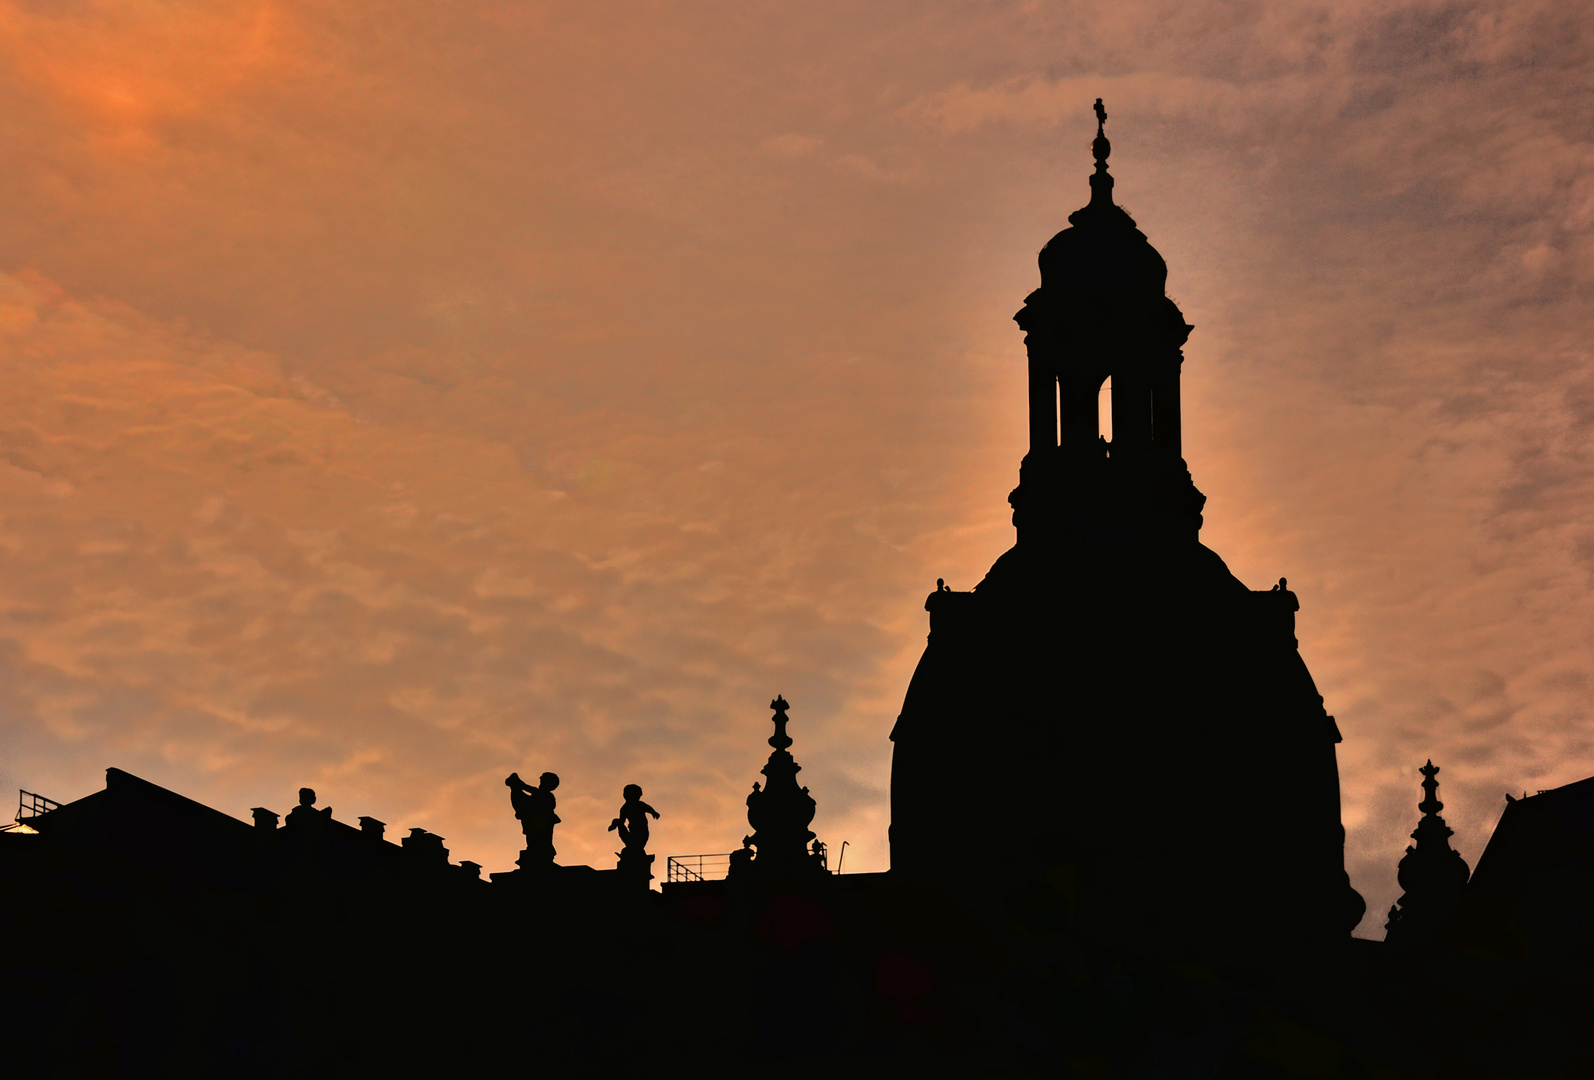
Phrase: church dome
[1101,248]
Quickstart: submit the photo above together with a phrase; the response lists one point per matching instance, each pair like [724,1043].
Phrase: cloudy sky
[396,395]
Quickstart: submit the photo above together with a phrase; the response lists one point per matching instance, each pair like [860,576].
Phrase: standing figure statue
[534,806]
[633,820]
[632,825]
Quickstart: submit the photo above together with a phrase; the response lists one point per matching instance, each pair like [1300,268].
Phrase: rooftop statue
[632,825]
[534,806]
[306,814]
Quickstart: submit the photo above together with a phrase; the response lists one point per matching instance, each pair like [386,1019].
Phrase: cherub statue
[633,820]
[534,806]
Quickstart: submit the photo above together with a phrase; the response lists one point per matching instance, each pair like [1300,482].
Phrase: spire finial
[780,740]
[1101,147]
[1100,181]
[1430,789]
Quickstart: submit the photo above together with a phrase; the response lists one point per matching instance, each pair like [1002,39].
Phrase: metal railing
[697,867]
[716,867]
[30,805]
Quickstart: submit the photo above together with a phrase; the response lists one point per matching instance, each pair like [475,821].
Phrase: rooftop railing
[716,867]
[30,805]
[697,867]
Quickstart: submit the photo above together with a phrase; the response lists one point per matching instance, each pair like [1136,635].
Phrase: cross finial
[1100,147]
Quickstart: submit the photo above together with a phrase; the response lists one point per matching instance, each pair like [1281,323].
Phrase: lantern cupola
[1104,344]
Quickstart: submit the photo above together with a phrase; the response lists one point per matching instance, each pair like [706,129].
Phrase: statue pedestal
[635,865]
[533,865]
[533,873]
[549,878]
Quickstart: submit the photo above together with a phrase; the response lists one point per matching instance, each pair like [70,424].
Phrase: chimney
[264,819]
[372,828]
[426,846]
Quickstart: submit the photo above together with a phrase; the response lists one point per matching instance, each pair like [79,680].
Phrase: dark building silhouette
[1530,901]
[1494,975]
[1107,701]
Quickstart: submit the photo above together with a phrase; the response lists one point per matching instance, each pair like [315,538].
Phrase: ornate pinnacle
[780,813]
[780,740]
[1432,873]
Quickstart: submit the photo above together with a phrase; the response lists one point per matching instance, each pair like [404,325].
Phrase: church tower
[1110,707]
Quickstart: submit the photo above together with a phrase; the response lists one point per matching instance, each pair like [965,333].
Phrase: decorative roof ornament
[1432,873]
[780,811]
[1430,805]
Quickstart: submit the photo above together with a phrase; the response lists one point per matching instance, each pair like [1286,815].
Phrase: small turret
[779,812]
[1431,873]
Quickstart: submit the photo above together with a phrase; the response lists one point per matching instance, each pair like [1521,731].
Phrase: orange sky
[395,396]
